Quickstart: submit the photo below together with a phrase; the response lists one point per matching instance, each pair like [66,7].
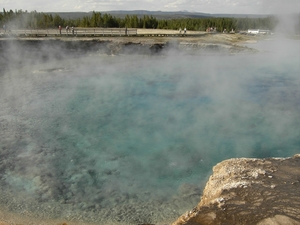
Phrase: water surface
[133,138]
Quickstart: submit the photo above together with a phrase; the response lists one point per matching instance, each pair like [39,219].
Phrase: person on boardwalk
[67,29]
[59,28]
[184,30]
[72,30]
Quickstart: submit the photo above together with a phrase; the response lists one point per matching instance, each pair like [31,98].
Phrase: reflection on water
[133,138]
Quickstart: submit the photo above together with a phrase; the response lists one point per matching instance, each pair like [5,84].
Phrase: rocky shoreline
[216,43]
[249,191]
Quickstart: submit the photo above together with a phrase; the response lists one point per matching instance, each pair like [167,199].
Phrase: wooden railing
[88,32]
[98,32]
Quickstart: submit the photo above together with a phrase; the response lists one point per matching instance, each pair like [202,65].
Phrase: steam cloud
[94,132]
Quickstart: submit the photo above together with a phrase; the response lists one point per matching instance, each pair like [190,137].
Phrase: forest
[19,19]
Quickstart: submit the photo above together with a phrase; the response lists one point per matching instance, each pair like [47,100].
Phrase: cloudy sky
[205,6]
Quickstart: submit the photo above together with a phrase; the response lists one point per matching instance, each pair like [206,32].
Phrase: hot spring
[132,138]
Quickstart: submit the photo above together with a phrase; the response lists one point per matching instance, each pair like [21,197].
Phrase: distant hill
[160,14]
[156,14]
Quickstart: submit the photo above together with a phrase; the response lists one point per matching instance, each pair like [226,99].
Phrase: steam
[94,132]
[287,14]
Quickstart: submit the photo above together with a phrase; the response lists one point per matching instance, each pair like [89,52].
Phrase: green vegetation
[35,20]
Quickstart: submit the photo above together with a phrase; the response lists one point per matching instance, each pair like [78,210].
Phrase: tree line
[36,20]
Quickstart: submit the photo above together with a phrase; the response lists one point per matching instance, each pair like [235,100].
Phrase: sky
[204,6]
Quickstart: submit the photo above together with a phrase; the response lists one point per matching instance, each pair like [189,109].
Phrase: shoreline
[207,42]
[143,35]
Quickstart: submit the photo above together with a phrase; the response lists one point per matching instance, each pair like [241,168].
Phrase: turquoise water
[133,138]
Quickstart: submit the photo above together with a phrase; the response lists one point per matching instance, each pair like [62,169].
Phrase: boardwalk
[96,32]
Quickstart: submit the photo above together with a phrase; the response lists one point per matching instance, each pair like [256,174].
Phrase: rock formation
[250,191]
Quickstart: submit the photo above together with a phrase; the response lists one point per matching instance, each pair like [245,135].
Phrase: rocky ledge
[207,43]
[250,191]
